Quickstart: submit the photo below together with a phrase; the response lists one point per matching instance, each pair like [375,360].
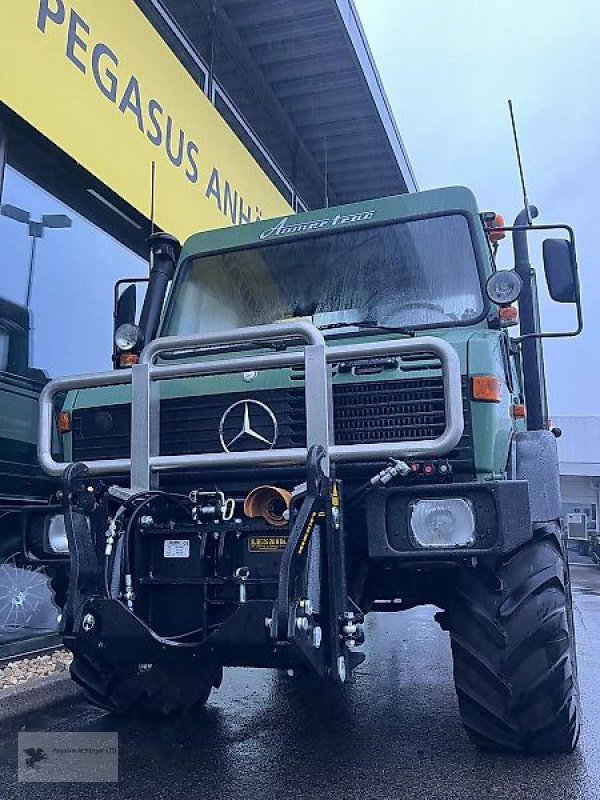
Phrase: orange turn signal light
[518,411]
[508,315]
[487,388]
[128,359]
[63,422]
[494,234]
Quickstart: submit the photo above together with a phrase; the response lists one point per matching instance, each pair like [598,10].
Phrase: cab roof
[454,199]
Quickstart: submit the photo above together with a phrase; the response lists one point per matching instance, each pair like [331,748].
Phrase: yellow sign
[96,78]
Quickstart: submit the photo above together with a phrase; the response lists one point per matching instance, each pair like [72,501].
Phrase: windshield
[410,274]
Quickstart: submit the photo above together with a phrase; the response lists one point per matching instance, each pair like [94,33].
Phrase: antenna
[519,162]
[326,173]
[152,194]
[152,189]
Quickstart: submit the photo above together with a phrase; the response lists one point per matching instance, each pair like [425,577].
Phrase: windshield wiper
[216,349]
[367,325]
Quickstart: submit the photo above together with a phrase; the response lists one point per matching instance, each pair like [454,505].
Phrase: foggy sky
[448,69]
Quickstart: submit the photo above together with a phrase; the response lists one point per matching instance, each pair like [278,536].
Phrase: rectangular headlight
[445,522]
[56,534]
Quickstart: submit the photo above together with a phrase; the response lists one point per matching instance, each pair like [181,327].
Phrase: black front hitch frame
[313,615]
[313,623]
[78,502]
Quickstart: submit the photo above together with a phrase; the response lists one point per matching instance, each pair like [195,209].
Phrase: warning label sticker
[177,548]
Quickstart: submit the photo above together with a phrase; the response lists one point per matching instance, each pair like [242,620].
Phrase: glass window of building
[67,273]
[74,271]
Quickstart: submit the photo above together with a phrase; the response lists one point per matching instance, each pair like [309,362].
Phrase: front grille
[367,412]
[389,411]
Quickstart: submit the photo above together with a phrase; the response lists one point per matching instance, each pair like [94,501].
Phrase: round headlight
[504,287]
[127,337]
[104,421]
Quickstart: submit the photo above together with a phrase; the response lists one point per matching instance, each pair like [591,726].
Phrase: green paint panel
[386,209]
[492,422]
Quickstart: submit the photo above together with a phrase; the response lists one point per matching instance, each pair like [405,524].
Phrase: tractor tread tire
[158,692]
[513,646]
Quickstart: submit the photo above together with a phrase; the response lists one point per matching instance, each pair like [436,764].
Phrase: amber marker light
[128,359]
[486,388]
[493,232]
[518,411]
[509,315]
[63,422]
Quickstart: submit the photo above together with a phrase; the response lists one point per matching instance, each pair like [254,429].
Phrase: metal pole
[2,155]
[531,349]
[30,277]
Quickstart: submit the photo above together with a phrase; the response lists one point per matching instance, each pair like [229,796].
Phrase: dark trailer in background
[27,612]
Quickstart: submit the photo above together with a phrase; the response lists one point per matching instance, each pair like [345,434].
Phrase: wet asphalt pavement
[395,733]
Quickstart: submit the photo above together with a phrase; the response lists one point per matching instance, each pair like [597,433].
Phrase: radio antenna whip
[519,162]
[152,190]
[152,194]
[326,173]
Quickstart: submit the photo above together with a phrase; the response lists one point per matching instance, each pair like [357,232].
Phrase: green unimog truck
[323,417]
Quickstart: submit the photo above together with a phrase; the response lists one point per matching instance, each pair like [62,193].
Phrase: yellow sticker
[267,544]
[308,530]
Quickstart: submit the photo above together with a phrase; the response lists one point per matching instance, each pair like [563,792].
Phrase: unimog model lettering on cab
[325,419]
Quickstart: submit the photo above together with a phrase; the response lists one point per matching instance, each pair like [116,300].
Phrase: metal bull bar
[145,461]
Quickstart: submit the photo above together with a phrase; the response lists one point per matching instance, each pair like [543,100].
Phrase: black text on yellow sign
[96,78]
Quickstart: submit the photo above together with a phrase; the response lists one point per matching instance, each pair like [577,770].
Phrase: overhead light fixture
[36,231]
[16,213]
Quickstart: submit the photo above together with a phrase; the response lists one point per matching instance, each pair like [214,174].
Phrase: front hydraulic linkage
[313,617]
[86,575]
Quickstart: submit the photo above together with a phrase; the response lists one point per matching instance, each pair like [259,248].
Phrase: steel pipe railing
[146,462]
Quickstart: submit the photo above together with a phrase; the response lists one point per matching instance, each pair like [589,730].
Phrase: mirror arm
[520,226]
[562,335]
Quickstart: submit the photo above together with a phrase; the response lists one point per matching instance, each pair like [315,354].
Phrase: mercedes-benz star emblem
[240,425]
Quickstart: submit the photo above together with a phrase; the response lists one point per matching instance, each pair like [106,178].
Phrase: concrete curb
[36,694]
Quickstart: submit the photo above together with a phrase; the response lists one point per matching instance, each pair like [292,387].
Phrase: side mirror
[125,307]
[560,267]
[124,310]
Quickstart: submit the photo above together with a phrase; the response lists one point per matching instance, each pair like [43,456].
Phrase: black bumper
[502,520]
[119,635]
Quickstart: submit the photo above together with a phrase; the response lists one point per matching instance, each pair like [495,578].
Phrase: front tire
[143,691]
[513,645]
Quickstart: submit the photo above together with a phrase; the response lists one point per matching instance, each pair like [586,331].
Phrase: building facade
[579,453]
